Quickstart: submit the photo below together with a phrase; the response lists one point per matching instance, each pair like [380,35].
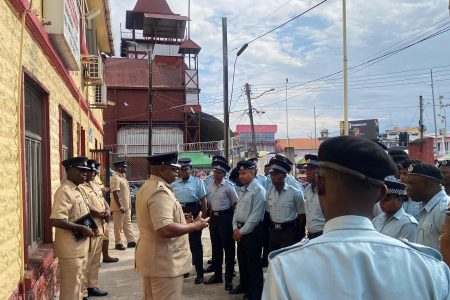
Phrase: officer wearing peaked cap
[223,198]
[70,205]
[162,253]
[191,192]
[215,160]
[262,179]
[248,231]
[286,209]
[350,181]
[444,167]
[411,207]
[121,206]
[394,221]
[315,220]
[424,185]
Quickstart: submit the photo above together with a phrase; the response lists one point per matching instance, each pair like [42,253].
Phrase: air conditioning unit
[99,97]
[92,69]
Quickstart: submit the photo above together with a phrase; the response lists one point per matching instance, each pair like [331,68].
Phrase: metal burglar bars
[136,155]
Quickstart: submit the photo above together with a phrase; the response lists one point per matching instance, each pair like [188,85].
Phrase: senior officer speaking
[191,192]
[162,254]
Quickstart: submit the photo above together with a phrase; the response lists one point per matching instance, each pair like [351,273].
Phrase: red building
[175,90]
[264,136]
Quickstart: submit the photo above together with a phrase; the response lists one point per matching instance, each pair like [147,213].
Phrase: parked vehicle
[134,188]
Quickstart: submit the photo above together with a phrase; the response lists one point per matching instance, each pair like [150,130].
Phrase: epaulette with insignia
[424,249]
[282,250]
[160,186]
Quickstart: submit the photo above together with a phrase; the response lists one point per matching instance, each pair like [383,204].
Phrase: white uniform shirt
[314,215]
[284,206]
[353,261]
[432,218]
[400,225]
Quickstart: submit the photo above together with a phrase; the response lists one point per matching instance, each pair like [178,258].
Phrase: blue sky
[311,47]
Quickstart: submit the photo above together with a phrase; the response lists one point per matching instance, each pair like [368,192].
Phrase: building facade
[48,93]
[264,137]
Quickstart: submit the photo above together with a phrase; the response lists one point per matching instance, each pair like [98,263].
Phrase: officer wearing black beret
[350,181]
[424,185]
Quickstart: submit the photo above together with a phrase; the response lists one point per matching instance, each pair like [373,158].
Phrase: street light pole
[344,46]
[150,101]
[250,114]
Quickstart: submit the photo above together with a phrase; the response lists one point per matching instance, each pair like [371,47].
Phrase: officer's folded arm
[64,224]
[178,229]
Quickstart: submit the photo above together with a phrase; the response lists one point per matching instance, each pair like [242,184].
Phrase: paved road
[122,282]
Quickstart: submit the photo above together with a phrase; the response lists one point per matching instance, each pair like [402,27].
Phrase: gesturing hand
[200,222]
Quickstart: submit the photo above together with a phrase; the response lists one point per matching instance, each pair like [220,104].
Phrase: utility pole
[315,129]
[434,110]
[150,101]
[344,48]
[421,126]
[226,115]
[287,119]
[250,114]
[443,124]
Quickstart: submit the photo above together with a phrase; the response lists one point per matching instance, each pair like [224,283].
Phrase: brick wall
[39,66]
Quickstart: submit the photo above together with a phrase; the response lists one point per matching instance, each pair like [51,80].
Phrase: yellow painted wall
[37,63]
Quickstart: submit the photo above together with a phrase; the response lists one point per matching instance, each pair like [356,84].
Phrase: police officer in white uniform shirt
[424,185]
[315,221]
[286,209]
[351,260]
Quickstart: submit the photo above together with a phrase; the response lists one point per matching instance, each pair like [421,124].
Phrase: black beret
[311,161]
[358,157]
[407,162]
[169,158]
[222,167]
[120,163]
[398,155]
[424,170]
[280,166]
[444,163]
[395,186]
[185,162]
[245,165]
[79,162]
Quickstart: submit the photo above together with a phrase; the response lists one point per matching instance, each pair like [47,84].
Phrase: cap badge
[410,168]
[242,168]
[444,162]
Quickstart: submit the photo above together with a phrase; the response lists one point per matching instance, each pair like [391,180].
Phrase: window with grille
[33,164]
[66,137]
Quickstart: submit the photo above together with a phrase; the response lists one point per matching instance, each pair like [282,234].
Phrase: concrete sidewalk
[122,282]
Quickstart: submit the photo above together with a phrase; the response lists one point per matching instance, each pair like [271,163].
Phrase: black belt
[281,226]
[190,204]
[240,225]
[222,212]
[314,235]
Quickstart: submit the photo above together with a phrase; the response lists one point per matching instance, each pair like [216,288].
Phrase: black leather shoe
[85,298]
[186,275]
[228,286]
[120,247]
[209,261]
[198,279]
[237,290]
[131,245]
[213,279]
[96,292]
[209,269]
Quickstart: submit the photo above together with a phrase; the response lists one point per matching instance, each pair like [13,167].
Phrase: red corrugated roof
[189,44]
[258,128]
[300,143]
[153,6]
[133,73]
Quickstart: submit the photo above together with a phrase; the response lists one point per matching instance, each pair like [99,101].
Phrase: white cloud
[308,48]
